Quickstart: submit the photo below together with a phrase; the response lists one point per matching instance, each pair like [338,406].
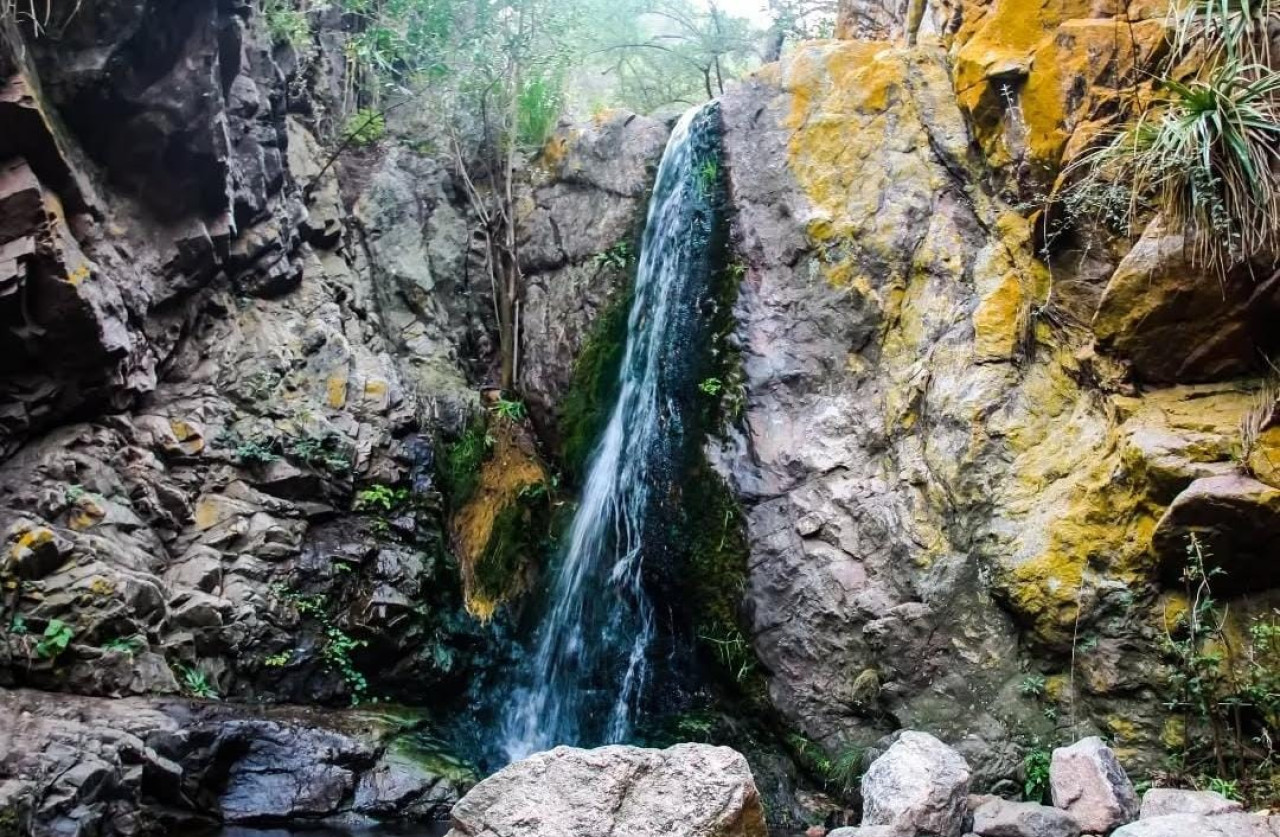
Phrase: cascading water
[590,663]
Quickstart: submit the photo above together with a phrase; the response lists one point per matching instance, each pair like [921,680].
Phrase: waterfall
[590,662]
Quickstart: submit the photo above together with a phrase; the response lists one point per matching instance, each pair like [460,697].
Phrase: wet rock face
[687,790]
[579,237]
[138,766]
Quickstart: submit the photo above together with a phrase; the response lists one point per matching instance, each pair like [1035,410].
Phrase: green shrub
[286,24]
[195,682]
[1035,774]
[538,107]
[364,127]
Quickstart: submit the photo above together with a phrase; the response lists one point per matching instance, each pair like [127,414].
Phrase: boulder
[1163,802]
[866,831]
[1198,825]
[1001,818]
[687,790]
[920,785]
[1088,782]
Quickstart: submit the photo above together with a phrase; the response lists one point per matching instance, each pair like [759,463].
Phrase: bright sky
[753,10]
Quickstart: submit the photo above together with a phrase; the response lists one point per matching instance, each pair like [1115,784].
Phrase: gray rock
[1001,818]
[690,790]
[867,831]
[1197,825]
[1088,782]
[1160,802]
[920,785]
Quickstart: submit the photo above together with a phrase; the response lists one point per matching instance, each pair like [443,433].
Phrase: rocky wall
[948,490]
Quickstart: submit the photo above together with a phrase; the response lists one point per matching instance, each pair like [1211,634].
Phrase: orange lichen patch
[554,152]
[88,512]
[1264,459]
[1030,74]
[512,468]
[189,435]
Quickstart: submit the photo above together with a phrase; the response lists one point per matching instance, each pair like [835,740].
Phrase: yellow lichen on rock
[1031,74]
[512,468]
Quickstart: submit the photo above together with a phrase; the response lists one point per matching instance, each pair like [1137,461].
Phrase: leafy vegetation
[364,127]
[286,24]
[195,682]
[619,257]
[126,645]
[1035,774]
[54,641]
[585,407]
[338,645]
[509,410]
[1225,688]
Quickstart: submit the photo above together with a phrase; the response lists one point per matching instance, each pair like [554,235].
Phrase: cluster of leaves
[286,24]
[56,638]
[326,453]
[839,774]
[196,682]
[619,257]
[381,497]
[364,127]
[1035,774]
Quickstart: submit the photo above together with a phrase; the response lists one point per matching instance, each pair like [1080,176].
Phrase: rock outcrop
[690,790]
[74,765]
[946,484]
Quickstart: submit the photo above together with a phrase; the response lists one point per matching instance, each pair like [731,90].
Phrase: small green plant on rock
[56,638]
[18,625]
[1033,685]
[364,127]
[129,645]
[509,410]
[279,660]
[195,682]
[1035,774]
[379,496]
[619,256]
[711,386]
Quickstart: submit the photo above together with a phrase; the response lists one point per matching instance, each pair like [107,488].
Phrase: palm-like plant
[1226,30]
[1206,154]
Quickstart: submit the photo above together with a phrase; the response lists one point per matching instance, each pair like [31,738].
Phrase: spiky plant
[1206,155]
[1226,30]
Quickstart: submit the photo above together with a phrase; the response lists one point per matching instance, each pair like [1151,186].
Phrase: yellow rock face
[1030,74]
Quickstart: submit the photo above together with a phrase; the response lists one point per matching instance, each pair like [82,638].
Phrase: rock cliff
[955,482]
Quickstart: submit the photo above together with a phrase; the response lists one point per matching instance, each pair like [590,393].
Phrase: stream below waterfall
[589,665]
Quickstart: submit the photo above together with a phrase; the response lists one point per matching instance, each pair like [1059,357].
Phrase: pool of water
[422,830]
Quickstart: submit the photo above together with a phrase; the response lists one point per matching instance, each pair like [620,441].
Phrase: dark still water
[421,830]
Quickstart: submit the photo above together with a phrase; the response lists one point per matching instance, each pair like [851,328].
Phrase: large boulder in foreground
[1001,818]
[689,790]
[1088,782]
[919,786]
[1163,802]
[1198,825]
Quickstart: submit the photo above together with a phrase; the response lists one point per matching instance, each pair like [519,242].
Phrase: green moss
[592,391]
[517,537]
[459,468]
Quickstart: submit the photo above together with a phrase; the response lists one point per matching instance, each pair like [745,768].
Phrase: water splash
[590,666]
